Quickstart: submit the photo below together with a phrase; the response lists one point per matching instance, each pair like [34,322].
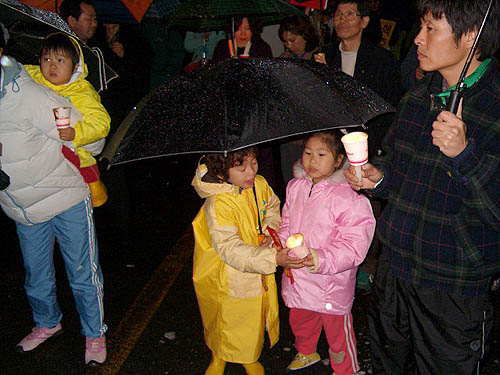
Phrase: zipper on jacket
[310,191]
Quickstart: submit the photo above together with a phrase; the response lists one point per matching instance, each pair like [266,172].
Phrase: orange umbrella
[105,8]
[137,8]
[50,5]
[121,11]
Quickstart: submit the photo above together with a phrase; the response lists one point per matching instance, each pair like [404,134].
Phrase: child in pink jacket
[338,226]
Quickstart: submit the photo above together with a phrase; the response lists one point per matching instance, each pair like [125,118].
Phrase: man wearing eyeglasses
[371,65]
[376,68]
[368,63]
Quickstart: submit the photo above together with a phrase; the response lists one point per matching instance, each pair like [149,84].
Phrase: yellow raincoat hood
[233,276]
[206,189]
[67,89]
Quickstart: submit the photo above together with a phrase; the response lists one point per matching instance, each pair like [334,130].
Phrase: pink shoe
[37,337]
[95,350]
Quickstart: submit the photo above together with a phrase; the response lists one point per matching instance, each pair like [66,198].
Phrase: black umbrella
[209,15]
[28,26]
[243,102]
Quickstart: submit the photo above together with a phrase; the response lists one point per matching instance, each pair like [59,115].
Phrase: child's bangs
[238,157]
[218,165]
[60,44]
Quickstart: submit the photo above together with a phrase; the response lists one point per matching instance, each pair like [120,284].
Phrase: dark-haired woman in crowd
[301,41]
[299,37]
[246,41]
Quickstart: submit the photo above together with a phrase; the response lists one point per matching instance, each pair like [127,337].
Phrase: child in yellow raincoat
[63,69]
[234,265]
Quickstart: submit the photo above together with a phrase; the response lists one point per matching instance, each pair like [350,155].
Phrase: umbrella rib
[34,17]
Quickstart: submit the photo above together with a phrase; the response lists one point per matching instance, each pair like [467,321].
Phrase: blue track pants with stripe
[75,233]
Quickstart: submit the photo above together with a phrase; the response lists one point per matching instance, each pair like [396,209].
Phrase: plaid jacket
[441,227]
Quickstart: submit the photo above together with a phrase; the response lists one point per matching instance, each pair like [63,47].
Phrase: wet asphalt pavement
[150,307]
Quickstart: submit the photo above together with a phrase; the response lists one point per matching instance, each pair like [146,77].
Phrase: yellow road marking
[123,339]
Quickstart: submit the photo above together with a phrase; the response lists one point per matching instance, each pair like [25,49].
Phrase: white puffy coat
[43,183]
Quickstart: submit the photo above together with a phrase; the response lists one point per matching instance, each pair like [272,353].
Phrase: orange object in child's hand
[261,238]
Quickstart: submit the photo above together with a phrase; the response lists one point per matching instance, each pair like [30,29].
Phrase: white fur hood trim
[335,179]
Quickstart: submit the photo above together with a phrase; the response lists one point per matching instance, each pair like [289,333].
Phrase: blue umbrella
[113,11]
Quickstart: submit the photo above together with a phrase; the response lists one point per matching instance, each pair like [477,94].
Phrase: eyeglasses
[348,16]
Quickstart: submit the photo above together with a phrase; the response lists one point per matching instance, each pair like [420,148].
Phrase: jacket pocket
[465,244]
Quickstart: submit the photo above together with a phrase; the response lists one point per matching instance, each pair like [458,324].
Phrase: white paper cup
[356,148]
[62,116]
[300,251]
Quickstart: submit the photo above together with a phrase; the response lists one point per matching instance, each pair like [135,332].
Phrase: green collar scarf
[468,81]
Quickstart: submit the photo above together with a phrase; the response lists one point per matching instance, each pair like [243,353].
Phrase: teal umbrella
[208,15]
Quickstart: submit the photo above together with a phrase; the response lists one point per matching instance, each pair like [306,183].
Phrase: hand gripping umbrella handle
[456,94]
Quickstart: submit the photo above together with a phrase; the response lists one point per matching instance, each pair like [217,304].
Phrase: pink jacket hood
[339,224]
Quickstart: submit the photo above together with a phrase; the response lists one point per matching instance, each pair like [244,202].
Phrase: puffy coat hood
[336,178]
[9,72]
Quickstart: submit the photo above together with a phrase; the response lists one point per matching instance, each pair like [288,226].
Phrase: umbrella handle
[454,100]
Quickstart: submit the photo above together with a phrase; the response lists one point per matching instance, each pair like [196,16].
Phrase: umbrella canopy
[160,9]
[121,11]
[208,15]
[118,11]
[243,102]
[28,26]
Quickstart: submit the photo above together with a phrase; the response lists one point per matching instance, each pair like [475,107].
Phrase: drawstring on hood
[80,69]
[10,71]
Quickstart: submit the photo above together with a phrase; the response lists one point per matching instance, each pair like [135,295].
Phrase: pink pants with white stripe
[306,326]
